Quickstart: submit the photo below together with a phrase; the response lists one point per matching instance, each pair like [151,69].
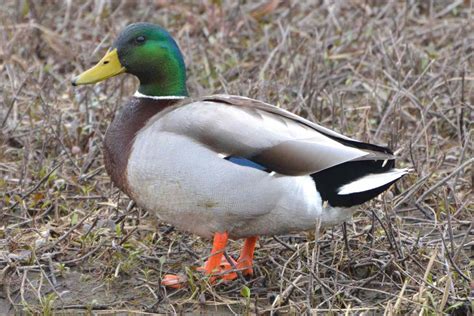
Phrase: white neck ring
[161,97]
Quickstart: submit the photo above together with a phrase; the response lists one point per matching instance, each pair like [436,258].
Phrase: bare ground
[389,72]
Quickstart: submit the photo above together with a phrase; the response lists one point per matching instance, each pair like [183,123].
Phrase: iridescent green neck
[169,82]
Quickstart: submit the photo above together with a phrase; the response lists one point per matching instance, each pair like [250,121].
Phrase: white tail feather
[372,181]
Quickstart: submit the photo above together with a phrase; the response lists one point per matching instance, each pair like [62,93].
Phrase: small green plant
[47,303]
[62,269]
[245,292]
[118,230]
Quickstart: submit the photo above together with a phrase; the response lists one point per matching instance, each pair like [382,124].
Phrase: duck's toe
[245,265]
[228,265]
[224,265]
[174,281]
[225,271]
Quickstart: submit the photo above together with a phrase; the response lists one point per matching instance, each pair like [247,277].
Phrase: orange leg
[217,263]
[217,253]
[245,261]
[212,265]
[246,256]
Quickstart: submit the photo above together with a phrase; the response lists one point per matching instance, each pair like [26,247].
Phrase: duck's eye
[140,39]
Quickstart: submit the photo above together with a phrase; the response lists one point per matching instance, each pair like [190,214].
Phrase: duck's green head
[148,52]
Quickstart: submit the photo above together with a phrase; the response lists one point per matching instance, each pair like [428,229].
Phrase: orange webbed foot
[218,265]
[221,271]
[246,266]
[173,281]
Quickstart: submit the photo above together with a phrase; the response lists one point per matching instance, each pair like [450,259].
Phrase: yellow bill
[107,67]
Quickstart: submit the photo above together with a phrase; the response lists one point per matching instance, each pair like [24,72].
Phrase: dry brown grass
[395,72]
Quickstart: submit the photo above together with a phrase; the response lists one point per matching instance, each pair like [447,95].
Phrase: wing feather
[270,136]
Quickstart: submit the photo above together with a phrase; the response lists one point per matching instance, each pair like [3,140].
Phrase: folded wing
[277,139]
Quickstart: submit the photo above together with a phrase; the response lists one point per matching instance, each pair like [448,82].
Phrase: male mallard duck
[226,166]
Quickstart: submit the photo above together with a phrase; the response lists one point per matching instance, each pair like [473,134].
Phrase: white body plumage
[176,169]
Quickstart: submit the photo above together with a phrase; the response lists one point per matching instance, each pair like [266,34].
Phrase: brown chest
[121,133]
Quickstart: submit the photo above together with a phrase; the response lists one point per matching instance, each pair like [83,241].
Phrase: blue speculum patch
[244,162]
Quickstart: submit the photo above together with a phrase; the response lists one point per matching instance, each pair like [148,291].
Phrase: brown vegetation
[389,72]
